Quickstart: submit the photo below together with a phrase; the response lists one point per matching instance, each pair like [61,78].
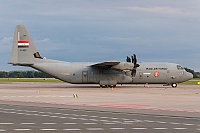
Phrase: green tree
[3,74]
[30,74]
[195,74]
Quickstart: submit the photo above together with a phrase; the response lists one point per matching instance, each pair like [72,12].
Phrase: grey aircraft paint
[110,73]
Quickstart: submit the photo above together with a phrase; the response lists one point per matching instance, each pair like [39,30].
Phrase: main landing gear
[107,86]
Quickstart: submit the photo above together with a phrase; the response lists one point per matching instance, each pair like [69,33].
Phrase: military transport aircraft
[106,74]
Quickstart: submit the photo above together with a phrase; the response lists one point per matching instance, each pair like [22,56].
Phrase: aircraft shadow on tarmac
[83,86]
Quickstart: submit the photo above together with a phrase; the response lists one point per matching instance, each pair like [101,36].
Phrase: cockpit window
[179,67]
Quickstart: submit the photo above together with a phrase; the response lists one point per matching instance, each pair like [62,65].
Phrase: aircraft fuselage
[83,73]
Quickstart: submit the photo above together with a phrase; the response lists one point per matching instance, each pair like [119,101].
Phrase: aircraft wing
[115,65]
[107,64]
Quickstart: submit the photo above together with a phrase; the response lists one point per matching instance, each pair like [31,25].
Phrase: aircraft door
[167,76]
[85,76]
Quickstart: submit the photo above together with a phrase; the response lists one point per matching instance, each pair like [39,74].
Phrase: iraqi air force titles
[106,74]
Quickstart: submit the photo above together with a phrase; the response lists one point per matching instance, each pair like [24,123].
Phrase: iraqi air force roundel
[156,74]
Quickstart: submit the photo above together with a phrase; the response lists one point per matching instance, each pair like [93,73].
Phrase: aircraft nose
[189,76]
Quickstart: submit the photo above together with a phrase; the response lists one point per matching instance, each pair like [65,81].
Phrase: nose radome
[189,76]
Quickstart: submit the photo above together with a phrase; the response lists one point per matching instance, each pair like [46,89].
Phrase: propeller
[128,59]
[134,61]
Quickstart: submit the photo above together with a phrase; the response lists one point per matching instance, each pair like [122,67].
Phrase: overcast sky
[103,30]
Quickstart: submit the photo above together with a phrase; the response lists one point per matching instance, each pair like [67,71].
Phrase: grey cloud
[164,10]
[96,30]
[6,41]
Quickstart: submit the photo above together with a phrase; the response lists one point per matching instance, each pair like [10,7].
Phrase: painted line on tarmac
[22,129]
[75,129]
[145,107]
[94,129]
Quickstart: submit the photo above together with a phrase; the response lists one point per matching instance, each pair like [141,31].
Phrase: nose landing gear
[174,85]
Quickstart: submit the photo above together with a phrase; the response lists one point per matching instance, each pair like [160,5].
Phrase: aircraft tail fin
[24,51]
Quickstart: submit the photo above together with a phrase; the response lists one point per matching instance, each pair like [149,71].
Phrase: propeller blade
[133,72]
[128,59]
[134,59]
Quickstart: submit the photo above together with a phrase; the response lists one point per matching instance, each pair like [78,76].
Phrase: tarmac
[155,99]
[62,107]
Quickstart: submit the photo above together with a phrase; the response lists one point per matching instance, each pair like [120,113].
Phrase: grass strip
[28,80]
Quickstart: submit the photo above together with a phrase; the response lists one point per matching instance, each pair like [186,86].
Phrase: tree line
[24,74]
[195,74]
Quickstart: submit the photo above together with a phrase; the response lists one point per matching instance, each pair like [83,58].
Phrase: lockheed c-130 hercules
[106,74]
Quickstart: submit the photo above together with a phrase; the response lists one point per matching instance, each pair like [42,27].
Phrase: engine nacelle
[123,66]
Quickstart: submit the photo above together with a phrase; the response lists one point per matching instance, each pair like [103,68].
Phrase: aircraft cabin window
[179,67]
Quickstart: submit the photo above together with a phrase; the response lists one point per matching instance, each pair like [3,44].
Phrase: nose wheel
[174,85]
